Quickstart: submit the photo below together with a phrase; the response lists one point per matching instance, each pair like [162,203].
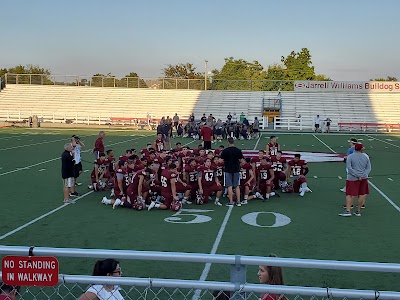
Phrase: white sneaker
[90,187]
[152,204]
[302,192]
[117,203]
[308,190]
[217,203]
[104,200]
[244,202]
[184,201]
[112,193]
[272,194]
[343,190]
[238,204]
[259,196]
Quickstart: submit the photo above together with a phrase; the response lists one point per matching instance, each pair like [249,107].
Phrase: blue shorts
[231,179]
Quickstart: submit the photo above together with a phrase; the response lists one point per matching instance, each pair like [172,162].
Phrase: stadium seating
[372,108]
[66,102]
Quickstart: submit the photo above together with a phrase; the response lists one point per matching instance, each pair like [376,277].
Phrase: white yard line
[370,182]
[383,141]
[58,208]
[217,241]
[41,143]
[56,158]
[41,217]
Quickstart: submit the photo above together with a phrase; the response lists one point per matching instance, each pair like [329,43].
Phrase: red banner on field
[30,270]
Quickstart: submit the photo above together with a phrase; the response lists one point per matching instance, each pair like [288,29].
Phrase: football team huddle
[167,179]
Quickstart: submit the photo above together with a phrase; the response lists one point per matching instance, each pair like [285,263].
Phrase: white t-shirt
[101,292]
[77,153]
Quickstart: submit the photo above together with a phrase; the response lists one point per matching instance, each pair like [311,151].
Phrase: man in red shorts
[358,168]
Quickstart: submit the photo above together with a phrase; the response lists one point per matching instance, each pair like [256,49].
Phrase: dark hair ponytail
[104,267]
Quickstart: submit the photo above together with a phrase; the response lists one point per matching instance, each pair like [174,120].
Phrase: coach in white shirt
[316,123]
[77,144]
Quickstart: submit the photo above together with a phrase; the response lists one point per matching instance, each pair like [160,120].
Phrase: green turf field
[31,188]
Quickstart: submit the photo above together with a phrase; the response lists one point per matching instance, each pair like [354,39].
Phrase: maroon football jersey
[278,164]
[264,171]
[297,167]
[244,173]
[273,149]
[208,175]
[102,166]
[192,174]
[219,170]
[159,145]
[166,177]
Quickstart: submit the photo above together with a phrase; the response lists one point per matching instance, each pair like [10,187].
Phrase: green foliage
[389,78]
[37,75]
[182,71]
[239,74]
[131,80]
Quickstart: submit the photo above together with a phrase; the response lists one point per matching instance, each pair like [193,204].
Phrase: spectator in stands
[234,118]
[207,133]
[328,124]
[229,117]
[273,276]
[107,267]
[8,292]
[77,144]
[176,121]
[241,117]
[246,122]
[232,156]
[358,169]
[99,145]
[191,118]
[316,123]
[203,118]
[67,172]
[179,130]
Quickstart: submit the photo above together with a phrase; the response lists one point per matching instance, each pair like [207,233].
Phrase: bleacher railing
[305,123]
[72,286]
[153,83]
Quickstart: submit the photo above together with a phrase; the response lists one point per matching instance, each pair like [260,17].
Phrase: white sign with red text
[347,86]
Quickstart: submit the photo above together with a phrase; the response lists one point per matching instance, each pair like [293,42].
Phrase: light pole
[205,74]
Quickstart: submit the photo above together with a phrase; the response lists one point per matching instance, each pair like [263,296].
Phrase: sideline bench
[364,126]
[122,121]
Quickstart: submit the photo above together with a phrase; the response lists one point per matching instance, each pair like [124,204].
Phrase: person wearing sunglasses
[107,267]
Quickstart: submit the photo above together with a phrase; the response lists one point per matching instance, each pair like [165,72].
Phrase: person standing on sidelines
[352,142]
[99,145]
[207,133]
[232,156]
[77,144]
[316,123]
[67,172]
[358,169]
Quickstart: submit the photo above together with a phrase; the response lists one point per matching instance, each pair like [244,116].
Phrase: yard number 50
[194,216]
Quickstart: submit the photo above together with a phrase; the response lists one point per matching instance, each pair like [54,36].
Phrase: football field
[32,212]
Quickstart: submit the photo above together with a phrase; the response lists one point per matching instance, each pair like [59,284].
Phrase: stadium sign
[30,270]
[306,86]
[310,157]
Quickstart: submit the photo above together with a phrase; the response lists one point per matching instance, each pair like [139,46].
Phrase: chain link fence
[70,291]
[151,83]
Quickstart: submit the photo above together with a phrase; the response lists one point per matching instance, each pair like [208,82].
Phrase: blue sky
[348,39]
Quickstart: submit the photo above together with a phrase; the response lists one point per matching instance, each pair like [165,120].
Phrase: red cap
[358,147]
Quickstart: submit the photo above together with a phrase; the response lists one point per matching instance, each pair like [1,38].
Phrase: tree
[389,78]
[37,74]
[299,65]
[132,80]
[239,74]
[182,76]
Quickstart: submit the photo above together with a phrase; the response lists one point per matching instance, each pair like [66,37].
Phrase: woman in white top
[107,267]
